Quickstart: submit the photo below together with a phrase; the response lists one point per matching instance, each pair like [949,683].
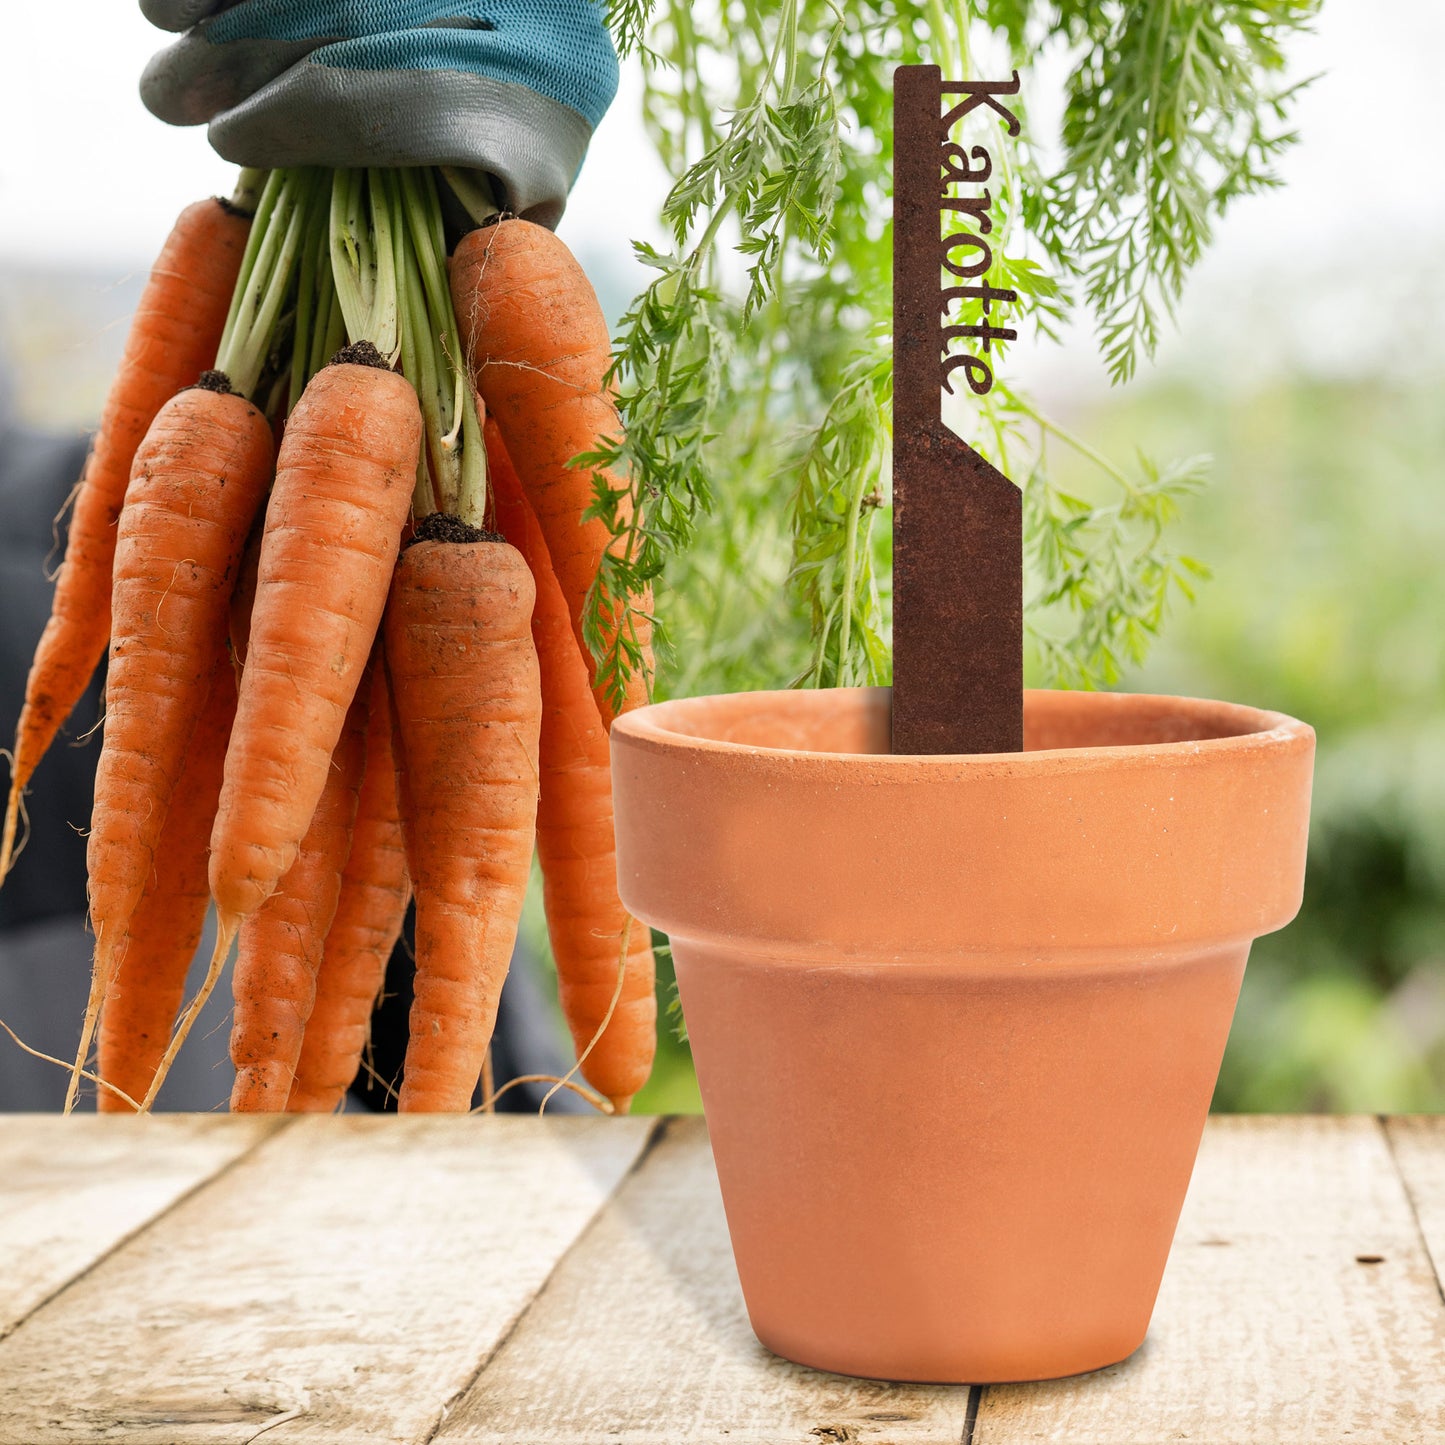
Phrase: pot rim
[1258,729]
[1189,831]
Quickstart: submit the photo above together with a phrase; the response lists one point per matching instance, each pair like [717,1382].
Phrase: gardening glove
[513,88]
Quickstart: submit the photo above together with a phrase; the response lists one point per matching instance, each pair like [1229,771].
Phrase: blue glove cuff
[559,48]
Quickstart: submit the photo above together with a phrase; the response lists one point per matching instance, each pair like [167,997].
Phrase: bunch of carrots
[332,534]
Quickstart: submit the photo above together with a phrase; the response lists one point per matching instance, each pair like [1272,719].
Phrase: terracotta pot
[957,1020]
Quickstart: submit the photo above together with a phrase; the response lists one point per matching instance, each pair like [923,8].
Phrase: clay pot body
[957,1021]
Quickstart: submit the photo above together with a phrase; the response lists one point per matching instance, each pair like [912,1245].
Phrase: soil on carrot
[216,381]
[440,527]
[361,353]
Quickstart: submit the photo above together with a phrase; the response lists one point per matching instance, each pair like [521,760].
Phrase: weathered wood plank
[348,1278]
[1274,1323]
[73,1189]
[641,1338]
[1419,1146]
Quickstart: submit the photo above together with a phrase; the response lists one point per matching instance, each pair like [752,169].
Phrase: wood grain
[339,1285]
[1299,1306]
[349,1279]
[641,1338]
[1419,1147]
[70,1192]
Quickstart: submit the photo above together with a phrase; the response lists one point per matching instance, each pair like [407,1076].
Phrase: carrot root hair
[603,1106]
[618,1105]
[60,1063]
[228,924]
[105,962]
[14,811]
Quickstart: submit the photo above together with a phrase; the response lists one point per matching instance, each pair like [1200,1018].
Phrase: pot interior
[855,720]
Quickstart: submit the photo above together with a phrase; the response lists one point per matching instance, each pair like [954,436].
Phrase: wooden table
[533,1282]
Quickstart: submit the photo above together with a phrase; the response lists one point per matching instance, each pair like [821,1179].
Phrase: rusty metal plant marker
[957,520]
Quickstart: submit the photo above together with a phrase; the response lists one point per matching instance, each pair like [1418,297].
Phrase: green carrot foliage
[754,371]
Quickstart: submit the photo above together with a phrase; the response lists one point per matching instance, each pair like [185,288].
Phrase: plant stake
[957,521]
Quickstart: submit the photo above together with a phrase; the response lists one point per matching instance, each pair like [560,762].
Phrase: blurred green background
[1325,529]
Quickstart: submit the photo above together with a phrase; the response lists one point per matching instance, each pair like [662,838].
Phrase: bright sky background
[88,178]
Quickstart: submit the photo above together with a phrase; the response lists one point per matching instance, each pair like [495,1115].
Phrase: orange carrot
[198,481]
[575,839]
[281,943]
[173,338]
[141,1006]
[344,482]
[464,686]
[375,890]
[538,348]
